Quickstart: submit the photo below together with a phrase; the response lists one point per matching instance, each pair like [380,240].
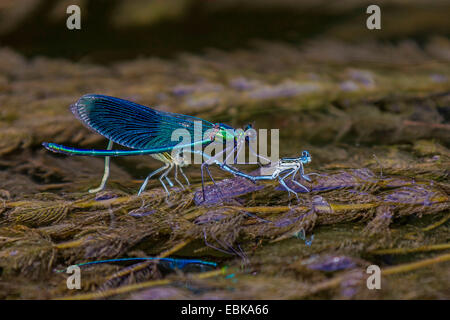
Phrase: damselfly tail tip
[49,146]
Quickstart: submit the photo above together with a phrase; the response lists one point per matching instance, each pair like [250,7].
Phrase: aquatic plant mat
[375,118]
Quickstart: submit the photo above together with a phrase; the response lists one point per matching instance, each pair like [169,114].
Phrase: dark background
[119,29]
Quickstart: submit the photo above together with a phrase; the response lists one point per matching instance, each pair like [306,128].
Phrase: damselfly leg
[182,173]
[162,157]
[283,183]
[106,171]
[151,175]
[176,162]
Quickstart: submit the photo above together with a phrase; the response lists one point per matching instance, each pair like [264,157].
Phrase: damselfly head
[305,158]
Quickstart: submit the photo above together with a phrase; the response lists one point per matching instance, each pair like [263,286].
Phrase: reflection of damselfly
[171,263]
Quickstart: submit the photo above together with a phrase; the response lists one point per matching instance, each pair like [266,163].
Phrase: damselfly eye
[305,158]
[250,133]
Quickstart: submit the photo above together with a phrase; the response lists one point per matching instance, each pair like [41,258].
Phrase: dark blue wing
[133,125]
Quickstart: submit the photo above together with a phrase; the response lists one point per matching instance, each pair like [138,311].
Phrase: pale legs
[169,163]
[105,173]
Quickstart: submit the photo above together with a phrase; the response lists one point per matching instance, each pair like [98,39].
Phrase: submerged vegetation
[374,116]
